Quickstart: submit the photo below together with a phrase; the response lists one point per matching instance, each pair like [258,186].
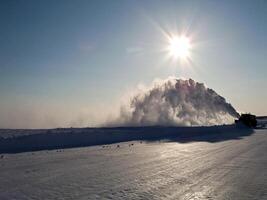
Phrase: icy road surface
[229,169]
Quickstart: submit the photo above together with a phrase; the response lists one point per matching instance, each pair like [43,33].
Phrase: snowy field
[212,166]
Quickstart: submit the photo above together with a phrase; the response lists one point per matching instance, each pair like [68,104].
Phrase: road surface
[227,169]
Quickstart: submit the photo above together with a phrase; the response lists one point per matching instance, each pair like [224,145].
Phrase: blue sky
[63,62]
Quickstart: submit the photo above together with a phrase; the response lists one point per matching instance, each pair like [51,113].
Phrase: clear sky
[67,63]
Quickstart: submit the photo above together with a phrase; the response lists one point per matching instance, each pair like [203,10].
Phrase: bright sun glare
[179,47]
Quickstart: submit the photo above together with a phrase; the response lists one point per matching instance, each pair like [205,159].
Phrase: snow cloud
[175,102]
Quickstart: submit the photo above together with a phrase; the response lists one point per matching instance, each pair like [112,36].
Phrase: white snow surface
[200,168]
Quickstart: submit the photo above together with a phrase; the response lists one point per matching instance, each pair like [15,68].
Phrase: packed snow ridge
[176,102]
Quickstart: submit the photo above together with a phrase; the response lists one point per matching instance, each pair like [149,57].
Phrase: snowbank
[14,141]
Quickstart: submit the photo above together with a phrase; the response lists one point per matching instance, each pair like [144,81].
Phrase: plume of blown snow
[176,102]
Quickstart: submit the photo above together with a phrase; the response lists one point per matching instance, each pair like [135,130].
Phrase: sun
[179,47]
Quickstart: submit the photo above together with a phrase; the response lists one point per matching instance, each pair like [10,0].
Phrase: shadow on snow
[16,141]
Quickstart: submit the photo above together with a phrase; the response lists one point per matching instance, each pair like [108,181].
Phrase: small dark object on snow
[2,156]
[118,146]
[248,119]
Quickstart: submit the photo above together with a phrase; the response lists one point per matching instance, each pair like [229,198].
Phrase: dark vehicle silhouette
[248,120]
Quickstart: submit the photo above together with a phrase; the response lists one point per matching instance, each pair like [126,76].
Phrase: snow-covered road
[228,169]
